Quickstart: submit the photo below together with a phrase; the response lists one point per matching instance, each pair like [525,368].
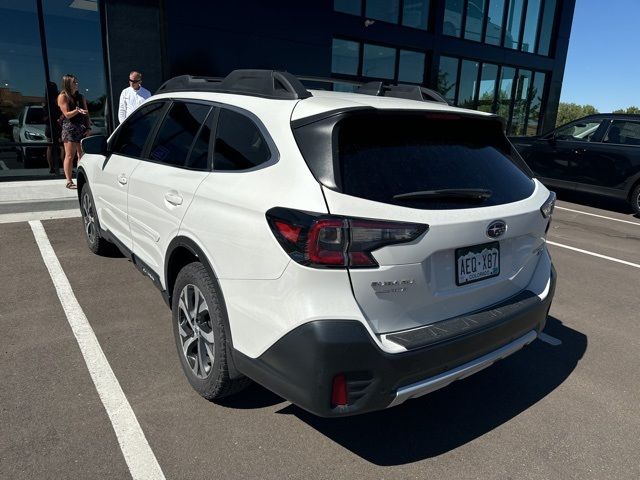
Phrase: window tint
[581,131]
[382,155]
[239,143]
[177,133]
[135,130]
[623,132]
[199,157]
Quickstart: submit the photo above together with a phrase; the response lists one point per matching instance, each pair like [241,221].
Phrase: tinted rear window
[382,155]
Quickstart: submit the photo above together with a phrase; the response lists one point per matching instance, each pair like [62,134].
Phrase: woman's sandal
[71,186]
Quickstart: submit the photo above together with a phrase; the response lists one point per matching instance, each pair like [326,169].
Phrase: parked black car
[597,154]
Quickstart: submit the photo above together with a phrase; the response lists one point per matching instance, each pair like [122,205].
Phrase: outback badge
[496,229]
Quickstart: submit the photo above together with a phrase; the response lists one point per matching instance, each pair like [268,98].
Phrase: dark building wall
[215,37]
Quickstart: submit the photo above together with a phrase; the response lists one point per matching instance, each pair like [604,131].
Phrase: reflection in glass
[344,57]
[488,83]
[411,67]
[468,81]
[378,62]
[513,24]
[520,103]
[530,26]
[453,18]
[385,10]
[78,53]
[23,111]
[447,75]
[475,17]
[505,92]
[494,22]
[354,7]
[415,13]
[537,93]
[546,28]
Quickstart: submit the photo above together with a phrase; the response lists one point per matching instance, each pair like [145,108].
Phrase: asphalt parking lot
[550,411]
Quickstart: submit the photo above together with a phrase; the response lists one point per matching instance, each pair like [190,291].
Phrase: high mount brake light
[333,241]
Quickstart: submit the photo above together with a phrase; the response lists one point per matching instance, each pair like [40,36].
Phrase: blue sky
[603,63]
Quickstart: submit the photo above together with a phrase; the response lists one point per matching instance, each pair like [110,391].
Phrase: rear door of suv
[164,183]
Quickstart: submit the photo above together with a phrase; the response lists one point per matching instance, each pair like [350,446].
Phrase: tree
[568,112]
[628,111]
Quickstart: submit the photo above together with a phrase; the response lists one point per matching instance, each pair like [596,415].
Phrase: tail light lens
[547,207]
[333,241]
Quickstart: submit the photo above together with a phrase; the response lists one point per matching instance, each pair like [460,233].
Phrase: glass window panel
[378,62]
[468,82]
[579,131]
[385,10]
[488,83]
[199,157]
[505,91]
[177,132]
[475,17]
[494,22]
[453,17]
[447,77]
[530,26]
[415,13]
[239,143]
[344,57]
[81,57]
[537,94]
[354,7]
[521,102]
[623,132]
[411,67]
[513,24]
[546,29]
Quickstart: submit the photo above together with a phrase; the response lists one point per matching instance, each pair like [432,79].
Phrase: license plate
[477,263]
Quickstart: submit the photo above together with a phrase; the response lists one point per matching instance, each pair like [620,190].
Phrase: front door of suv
[111,186]
[164,183]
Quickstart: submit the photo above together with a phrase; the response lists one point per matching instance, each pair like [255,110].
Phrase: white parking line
[137,453]
[48,215]
[594,254]
[599,216]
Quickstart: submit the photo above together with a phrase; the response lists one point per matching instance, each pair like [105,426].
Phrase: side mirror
[95,144]
[14,122]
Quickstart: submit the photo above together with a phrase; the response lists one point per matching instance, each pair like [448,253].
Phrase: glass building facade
[500,56]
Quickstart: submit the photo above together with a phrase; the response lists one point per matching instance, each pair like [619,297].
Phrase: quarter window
[177,134]
[623,132]
[136,129]
[239,143]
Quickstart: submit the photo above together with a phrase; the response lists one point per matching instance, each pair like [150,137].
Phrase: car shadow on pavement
[595,201]
[446,419]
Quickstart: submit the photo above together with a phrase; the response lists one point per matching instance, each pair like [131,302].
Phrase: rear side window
[623,132]
[384,155]
[177,134]
[136,129]
[239,143]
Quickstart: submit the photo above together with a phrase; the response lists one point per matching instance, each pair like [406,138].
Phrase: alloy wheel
[196,332]
[88,216]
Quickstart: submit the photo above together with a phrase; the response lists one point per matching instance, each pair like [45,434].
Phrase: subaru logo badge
[496,229]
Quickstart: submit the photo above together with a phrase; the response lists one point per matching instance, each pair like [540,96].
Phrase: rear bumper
[301,365]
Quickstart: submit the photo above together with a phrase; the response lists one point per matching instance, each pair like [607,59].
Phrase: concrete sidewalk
[37,199]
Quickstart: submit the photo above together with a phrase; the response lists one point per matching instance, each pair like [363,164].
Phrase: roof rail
[258,83]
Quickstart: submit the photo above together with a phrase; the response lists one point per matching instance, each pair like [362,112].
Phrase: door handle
[122,179]
[173,197]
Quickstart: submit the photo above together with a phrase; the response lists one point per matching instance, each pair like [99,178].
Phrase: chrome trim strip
[439,381]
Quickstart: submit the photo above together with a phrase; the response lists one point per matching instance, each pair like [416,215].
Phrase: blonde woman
[75,124]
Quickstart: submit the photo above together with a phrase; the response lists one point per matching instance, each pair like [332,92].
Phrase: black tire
[635,200]
[193,343]
[96,243]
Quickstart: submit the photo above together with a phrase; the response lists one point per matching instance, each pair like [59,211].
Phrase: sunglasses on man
[135,81]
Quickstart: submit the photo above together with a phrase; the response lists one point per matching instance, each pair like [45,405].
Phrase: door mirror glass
[95,144]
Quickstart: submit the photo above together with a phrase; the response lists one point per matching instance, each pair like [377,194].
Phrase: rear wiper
[477,194]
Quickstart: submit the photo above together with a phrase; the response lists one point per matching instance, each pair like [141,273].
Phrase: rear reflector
[333,241]
[339,395]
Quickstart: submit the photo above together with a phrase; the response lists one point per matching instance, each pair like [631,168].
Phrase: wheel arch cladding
[81,179]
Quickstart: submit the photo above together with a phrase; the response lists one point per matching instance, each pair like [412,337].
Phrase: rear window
[384,155]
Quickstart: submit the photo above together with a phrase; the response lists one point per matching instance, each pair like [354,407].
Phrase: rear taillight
[333,241]
[339,393]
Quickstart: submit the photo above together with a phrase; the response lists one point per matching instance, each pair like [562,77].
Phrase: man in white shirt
[132,96]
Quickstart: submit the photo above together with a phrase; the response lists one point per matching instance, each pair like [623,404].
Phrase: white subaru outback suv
[348,251]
